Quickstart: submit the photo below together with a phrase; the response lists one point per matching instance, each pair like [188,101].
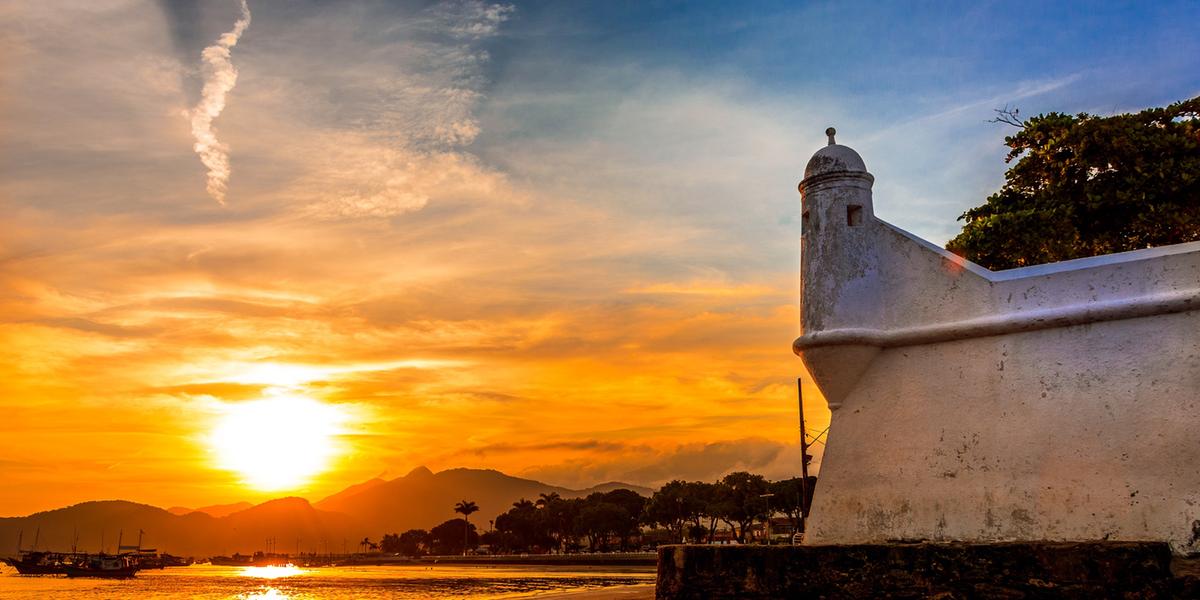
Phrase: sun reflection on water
[272,572]
[269,594]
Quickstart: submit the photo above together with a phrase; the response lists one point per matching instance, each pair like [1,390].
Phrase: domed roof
[834,158]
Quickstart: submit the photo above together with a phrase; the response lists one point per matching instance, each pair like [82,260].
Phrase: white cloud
[472,18]
[219,78]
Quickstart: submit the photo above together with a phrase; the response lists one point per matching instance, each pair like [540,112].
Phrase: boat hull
[121,573]
[25,568]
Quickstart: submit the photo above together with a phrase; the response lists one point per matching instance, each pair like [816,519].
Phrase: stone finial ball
[834,158]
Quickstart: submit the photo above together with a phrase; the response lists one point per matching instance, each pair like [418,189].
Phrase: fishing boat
[170,560]
[237,560]
[104,566]
[37,563]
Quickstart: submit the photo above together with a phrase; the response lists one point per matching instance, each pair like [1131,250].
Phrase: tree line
[620,519]
[1083,185]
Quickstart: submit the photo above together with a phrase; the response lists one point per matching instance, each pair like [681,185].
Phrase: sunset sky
[558,239]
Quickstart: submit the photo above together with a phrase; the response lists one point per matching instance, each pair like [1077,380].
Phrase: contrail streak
[219,77]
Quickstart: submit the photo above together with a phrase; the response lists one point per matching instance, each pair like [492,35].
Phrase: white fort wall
[1056,402]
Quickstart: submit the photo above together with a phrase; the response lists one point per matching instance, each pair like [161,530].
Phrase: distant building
[1056,402]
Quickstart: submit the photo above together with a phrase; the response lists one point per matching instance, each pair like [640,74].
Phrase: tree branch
[1008,116]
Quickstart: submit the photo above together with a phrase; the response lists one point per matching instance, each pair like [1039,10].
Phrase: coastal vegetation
[1085,185]
[617,520]
[466,507]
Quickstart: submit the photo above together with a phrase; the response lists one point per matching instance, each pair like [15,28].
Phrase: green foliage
[1085,185]
[613,520]
[414,542]
[600,521]
[450,536]
[740,501]
[465,508]
[787,498]
[554,523]
[673,506]
[524,528]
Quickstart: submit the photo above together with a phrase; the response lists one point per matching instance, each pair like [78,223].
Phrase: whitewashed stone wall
[1055,402]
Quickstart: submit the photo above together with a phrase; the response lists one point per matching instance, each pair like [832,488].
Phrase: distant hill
[420,500]
[216,510]
[351,491]
[192,534]
[423,499]
[288,520]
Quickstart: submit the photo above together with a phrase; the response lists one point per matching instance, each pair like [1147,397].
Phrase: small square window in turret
[854,215]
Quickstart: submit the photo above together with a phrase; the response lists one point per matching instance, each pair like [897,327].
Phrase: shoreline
[630,559]
[640,591]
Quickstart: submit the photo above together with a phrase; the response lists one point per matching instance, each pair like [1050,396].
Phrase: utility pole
[804,458]
[767,528]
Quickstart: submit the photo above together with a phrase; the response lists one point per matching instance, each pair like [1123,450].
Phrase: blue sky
[911,85]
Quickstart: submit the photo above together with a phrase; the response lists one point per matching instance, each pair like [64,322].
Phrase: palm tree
[548,502]
[466,507]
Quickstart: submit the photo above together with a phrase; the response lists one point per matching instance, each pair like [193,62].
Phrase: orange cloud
[466,312]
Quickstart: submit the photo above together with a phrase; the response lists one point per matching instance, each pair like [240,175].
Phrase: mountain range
[420,499]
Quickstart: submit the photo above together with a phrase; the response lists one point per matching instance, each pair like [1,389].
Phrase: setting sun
[277,443]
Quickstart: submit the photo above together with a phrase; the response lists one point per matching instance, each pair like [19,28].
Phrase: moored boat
[169,560]
[38,563]
[104,566]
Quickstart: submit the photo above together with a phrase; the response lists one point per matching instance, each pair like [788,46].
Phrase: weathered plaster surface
[1055,402]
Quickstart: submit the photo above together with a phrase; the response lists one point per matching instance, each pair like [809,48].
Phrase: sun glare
[272,571]
[279,375]
[277,443]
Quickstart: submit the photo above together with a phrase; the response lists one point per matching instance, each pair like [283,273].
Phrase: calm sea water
[204,582]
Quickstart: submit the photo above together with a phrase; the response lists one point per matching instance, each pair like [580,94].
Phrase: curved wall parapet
[1054,402]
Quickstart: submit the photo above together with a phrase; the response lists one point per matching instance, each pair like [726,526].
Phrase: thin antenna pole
[803,457]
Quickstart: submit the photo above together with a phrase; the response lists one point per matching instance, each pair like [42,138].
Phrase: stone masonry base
[1024,570]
